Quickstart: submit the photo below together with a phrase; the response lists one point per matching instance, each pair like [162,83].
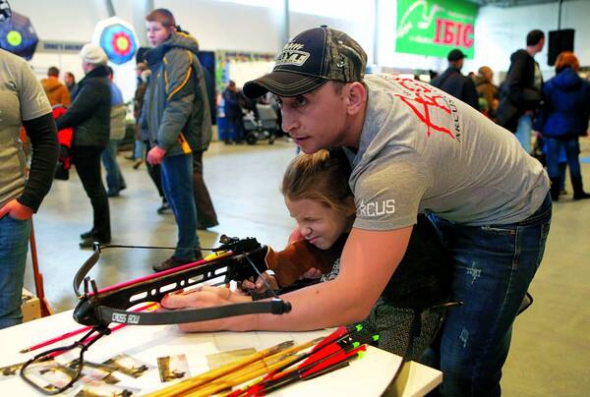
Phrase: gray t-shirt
[22,98]
[423,150]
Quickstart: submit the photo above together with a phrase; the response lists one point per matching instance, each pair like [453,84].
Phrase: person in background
[138,152]
[115,180]
[412,148]
[24,103]
[177,116]
[454,83]
[562,120]
[487,90]
[90,116]
[520,96]
[70,81]
[233,112]
[57,93]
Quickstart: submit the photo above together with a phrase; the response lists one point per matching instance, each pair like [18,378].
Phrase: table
[365,377]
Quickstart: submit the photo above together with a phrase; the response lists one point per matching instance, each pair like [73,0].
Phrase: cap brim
[284,84]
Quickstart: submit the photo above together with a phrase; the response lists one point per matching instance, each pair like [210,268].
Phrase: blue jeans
[494,266]
[555,149]
[524,131]
[115,180]
[14,240]
[177,182]
[138,149]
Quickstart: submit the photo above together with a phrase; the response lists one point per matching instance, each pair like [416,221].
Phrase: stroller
[262,126]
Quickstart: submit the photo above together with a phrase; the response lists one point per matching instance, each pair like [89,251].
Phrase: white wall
[229,26]
[226,25]
[501,31]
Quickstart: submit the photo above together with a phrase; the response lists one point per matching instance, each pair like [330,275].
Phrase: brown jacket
[56,92]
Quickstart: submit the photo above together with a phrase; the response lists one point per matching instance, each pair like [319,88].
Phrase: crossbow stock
[236,259]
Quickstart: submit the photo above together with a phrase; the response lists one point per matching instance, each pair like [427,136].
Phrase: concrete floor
[550,353]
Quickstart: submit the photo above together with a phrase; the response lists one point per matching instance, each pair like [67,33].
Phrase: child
[318,197]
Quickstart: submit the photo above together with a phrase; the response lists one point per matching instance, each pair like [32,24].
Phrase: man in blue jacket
[176,112]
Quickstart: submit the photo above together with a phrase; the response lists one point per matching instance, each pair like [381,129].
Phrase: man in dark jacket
[177,115]
[233,110]
[520,96]
[453,82]
[90,116]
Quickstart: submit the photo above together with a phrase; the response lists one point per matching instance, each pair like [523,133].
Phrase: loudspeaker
[559,41]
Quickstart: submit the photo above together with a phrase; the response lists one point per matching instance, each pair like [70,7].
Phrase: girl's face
[318,223]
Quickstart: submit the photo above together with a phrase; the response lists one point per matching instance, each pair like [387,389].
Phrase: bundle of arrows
[277,366]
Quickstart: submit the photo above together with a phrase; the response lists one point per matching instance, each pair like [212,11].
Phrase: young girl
[318,197]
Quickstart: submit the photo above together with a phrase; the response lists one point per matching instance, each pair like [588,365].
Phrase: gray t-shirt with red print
[423,150]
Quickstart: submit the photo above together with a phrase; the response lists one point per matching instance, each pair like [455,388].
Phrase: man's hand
[16,210]
[202,297]
[156,155]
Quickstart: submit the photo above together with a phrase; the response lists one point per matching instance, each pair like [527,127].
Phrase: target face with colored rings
[119,43]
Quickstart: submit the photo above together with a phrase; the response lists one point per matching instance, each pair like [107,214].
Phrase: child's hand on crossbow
[260,286]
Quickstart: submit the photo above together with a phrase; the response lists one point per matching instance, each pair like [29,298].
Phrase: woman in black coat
[90,116]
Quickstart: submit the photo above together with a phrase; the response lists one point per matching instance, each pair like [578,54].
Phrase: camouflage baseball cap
[309,60]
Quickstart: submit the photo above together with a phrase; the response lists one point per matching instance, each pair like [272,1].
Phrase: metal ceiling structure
[512,3]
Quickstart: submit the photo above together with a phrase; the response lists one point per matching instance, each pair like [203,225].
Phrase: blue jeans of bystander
[524,131]
[177,182]
[494,266]
[555,150]
[115,181]
[14,239]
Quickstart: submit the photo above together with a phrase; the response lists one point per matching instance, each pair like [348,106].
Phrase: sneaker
[171,263]
[137,163]
[581,195]
[87,234]
[89,242]
[198,255]
[163,208]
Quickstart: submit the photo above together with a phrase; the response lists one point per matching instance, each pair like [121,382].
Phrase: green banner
[435,27]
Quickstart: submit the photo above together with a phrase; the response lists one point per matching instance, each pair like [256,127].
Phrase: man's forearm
[43,135]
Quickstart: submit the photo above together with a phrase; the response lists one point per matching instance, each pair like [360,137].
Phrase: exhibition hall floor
[551,341]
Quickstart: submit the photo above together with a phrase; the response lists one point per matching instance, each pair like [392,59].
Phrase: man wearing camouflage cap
[413,149]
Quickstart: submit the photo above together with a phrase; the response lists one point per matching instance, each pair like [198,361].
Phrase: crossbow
[236,259]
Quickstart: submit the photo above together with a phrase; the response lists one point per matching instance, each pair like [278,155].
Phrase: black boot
[555,188]
[579,193]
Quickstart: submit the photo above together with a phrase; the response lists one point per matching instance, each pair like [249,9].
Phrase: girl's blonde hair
[322,176]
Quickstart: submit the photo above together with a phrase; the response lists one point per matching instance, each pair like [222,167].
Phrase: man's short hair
[534,37]
[162,15]
[53,71]
[455,55]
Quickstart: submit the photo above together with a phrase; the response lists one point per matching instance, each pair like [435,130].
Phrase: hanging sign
[435,27]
